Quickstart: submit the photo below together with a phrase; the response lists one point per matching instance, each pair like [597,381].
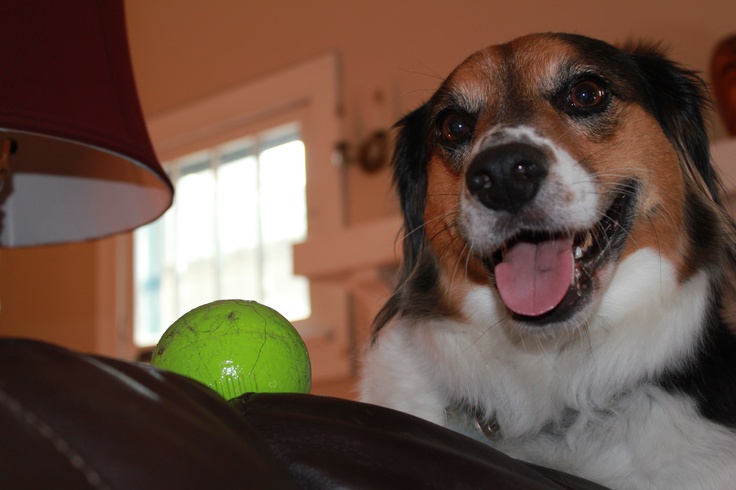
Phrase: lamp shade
[83,165]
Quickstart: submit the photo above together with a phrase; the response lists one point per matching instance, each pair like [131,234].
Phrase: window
[239,209]
[299,102]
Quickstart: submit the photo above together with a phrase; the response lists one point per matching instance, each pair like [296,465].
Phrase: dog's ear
[410,179]
[678,98]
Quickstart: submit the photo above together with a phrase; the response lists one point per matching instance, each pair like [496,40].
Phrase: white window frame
[308,93]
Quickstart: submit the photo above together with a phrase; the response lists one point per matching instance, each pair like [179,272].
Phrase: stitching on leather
[59,443]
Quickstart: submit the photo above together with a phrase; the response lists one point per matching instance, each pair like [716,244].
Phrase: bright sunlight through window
[238,210]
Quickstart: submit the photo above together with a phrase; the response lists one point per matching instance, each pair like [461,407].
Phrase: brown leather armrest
[69,420]
[74,421]
[333,443]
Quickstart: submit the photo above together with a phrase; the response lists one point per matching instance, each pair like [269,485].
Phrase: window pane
[195,243]
[239,229]
[148,271]
[287,293]
[229,234]
[283,193]
[237,195]
[284,215]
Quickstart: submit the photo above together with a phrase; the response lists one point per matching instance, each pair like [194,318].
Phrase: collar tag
[470,422]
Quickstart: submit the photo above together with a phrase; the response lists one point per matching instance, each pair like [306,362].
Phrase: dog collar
[470,421]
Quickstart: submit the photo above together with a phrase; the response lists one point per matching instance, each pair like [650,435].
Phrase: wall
[65,294]
[394,54]
[34,289]
[186,49]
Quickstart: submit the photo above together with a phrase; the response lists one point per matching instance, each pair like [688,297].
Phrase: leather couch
[69,420]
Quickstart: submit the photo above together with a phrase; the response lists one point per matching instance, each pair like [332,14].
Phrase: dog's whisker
[460,266]
[483,333]
[420,229]
[659,249]
[468,257]
[430,73]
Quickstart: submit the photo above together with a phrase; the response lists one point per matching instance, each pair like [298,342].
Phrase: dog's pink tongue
[533,278]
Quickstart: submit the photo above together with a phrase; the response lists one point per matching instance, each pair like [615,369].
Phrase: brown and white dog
[567,293]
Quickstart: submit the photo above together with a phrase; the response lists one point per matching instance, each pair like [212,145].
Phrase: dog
[567,287]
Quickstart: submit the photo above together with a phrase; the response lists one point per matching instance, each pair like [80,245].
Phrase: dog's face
[539,165]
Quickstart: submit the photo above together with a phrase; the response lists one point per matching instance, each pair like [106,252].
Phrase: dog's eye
[587,94]
[455,127]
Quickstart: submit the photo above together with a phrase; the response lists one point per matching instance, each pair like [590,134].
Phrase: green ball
[235,347]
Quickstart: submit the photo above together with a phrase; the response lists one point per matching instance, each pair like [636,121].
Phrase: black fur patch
[705,230]
[709,377]
[677,97]
[410,179]
[418,297]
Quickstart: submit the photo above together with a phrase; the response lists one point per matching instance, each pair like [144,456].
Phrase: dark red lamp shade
[84,166]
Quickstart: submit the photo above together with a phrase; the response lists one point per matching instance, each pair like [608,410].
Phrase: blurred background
[273,120]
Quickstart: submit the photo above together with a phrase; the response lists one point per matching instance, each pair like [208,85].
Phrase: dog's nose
[507,176]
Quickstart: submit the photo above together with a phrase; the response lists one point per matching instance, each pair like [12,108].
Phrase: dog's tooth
[578,253]
[588,241]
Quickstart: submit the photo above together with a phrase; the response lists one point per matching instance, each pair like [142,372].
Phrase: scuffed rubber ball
[235,347]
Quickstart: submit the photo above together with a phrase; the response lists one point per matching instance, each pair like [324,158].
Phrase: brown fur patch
[456,262]
[641,150]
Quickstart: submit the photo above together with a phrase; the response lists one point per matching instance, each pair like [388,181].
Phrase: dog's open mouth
[545,277]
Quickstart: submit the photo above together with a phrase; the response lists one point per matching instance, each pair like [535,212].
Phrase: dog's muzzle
[543,264]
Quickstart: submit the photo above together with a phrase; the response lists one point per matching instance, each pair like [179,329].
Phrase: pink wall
[184,50]
[49,293]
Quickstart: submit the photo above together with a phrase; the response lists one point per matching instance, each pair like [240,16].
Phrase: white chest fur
[619,429]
